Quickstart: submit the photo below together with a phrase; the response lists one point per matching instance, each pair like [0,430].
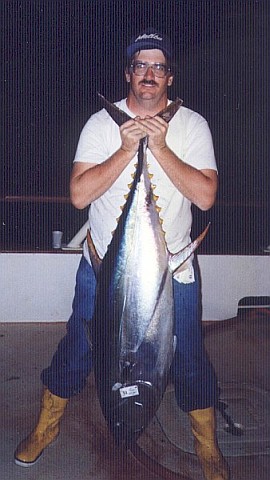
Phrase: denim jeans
[194,378]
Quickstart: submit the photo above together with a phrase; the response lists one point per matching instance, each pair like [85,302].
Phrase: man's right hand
[131,133]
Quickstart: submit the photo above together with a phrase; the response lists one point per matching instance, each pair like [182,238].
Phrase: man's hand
[156,130]
[131,133]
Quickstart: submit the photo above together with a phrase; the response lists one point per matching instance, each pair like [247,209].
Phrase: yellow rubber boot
[47,429]
[203,424]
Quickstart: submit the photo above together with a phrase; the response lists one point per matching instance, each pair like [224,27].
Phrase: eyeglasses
[140,68]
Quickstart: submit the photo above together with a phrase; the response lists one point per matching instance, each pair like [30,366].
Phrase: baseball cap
[148,40]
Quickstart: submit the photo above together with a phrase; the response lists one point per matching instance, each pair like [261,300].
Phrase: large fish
[132,328]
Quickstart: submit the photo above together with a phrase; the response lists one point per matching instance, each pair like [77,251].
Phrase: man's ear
[170,81]
[127,75]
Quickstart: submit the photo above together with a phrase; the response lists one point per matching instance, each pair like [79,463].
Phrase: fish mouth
[132,414]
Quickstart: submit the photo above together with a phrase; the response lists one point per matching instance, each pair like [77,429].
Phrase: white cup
[57,239]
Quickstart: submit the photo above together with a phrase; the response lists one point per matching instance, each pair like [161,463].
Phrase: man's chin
[148,93]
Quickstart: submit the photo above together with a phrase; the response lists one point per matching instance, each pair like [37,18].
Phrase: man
[182,162]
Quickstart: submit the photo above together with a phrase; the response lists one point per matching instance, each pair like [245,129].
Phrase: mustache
[148,82]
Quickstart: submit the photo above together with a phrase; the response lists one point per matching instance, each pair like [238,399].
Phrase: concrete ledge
[39,287]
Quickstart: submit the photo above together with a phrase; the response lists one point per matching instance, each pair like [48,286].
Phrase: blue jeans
[194,378]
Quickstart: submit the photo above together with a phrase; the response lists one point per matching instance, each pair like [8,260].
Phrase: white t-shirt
[188,136]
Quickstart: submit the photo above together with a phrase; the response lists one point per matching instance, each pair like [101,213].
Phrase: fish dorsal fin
[177,259]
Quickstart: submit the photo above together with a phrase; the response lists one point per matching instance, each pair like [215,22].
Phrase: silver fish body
[133,320]
[144,289]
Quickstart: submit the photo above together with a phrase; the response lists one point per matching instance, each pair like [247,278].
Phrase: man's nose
[149,72]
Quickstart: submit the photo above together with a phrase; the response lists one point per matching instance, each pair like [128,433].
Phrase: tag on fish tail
[118,115]
[95,260]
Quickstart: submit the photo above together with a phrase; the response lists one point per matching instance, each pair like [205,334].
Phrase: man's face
[149,85]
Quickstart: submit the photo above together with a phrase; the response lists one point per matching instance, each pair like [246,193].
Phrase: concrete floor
[239,350]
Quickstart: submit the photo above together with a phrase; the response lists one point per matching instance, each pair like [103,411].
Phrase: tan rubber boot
[47,429]
[203,424]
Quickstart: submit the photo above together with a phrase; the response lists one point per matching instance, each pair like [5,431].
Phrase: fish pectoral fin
[177,259]
[88,332]
[95,260]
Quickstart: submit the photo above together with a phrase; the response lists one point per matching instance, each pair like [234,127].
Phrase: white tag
[130,391]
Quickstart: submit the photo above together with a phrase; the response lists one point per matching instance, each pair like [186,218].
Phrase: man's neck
[144,107]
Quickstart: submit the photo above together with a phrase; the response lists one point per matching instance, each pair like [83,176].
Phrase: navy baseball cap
[149,40]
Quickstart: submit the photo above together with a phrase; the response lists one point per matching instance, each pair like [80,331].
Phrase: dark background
[57,54]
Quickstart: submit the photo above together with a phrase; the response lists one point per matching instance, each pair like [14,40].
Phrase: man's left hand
[156,130]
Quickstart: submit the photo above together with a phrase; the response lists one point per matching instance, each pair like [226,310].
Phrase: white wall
[39,287]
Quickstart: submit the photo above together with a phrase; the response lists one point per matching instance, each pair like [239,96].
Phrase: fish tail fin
[177,259]
[168,112]
[118,115]
[95,260]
